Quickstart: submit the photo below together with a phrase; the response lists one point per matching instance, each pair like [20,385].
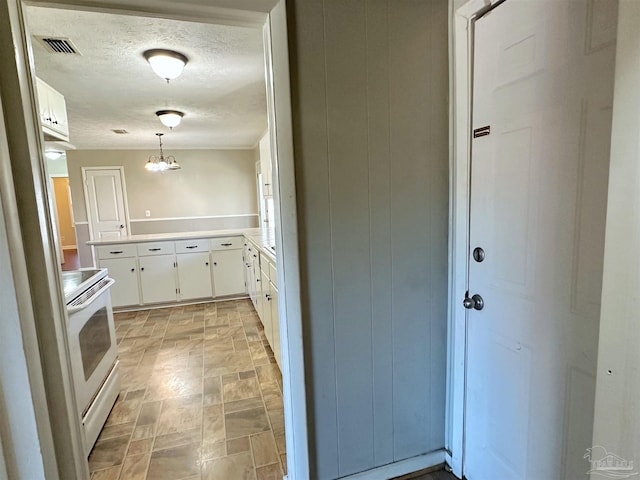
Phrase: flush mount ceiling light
[161,163]
[53,154]
[170,118]
[166,63]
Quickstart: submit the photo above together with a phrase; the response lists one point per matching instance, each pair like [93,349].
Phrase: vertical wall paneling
[345,40]
[308,98]
[370,118]
[377,88]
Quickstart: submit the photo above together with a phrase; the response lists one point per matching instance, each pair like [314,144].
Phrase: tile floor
[201,398]
[438,475]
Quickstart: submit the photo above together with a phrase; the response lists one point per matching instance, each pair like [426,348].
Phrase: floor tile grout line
[264,403]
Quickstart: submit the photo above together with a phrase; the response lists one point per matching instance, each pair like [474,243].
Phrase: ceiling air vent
[119,131]
[58,45]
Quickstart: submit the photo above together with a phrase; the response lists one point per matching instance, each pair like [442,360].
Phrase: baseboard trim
[155,306]
[400,468]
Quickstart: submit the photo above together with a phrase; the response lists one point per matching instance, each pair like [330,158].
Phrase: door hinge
[482,131]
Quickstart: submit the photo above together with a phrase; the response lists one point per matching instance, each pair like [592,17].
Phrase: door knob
[478,254]
[476,302]
[121,226]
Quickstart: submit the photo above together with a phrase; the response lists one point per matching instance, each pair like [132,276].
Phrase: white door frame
[288,262]
[461,82]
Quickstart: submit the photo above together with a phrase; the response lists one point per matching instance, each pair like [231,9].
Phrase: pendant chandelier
[161,163]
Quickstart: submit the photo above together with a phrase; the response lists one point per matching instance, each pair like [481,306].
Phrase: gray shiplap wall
[370,119]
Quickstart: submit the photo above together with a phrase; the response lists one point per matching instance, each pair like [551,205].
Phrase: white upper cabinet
[265,165]
[52,110]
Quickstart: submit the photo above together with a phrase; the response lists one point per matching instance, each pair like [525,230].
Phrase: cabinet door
[58,111]
[126,290]
[194,275]
[265,307]
[158,279]
[256,291]
[275,322]
[228,274]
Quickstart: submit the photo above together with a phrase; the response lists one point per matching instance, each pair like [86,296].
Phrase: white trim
[400,468]
[461,51]
[202,217]
[286,231]
[82,222]
[59,175]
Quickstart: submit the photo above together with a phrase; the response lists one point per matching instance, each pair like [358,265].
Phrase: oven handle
[77,308]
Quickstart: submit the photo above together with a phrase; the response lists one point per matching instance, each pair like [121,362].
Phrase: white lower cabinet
[264,311]
[183,270]
[275,320]
[228,273]
[194,275]
[126,290]
[158,278]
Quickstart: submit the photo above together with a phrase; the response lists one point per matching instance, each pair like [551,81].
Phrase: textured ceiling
[111,86]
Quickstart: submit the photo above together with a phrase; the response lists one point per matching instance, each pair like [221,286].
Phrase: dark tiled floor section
[201,398]
[439,475]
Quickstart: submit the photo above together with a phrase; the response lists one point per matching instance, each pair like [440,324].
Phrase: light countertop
[261,237]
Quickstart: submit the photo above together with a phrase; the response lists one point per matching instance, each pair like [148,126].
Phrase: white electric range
[93,347]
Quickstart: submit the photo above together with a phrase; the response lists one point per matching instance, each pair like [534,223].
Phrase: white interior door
[106,203]
[542,96]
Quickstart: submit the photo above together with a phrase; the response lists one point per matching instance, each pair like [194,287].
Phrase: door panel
[105,194]
[538,196]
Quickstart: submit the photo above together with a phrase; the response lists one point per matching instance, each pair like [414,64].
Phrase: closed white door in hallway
[543,87]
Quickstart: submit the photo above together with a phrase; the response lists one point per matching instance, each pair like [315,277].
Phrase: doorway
[542,100]
[106,201]
[66,225]
[246,17]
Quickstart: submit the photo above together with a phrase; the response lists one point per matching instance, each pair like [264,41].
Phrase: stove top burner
[75,282]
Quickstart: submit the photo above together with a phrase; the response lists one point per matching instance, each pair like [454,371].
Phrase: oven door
[92,340]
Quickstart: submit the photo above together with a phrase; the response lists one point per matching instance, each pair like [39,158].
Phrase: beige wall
[211,183]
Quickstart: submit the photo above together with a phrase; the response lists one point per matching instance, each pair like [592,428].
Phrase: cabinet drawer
[156,248]
[188,246]
[226,243]
[116,251]
[273,274]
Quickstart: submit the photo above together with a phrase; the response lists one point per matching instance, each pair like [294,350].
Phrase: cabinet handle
[192,246]
[117,252]
[133,269]
[207,264]
[215,264]
[257,279]
[142,269]
[268,297]
[155,249]
[226,244]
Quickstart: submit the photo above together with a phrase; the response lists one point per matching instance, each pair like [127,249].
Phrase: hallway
[201,398]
